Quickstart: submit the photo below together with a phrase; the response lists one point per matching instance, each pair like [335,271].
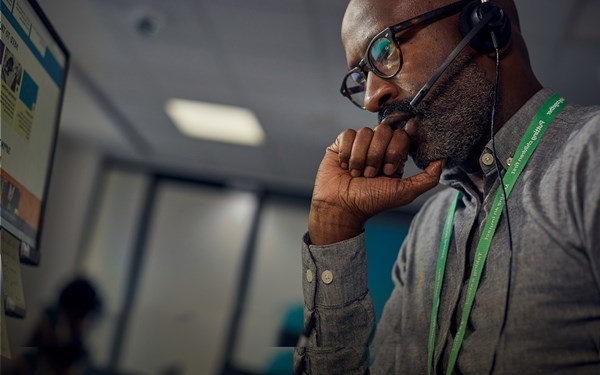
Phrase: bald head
[392,12]
[365,18]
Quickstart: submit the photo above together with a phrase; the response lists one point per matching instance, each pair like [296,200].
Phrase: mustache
[401,106]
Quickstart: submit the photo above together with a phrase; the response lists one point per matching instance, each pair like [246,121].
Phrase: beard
[454,119]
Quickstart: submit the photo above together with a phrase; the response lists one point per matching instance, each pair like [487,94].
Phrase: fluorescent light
[216,122]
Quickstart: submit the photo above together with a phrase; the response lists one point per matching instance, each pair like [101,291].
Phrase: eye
[385,57]
[380,51]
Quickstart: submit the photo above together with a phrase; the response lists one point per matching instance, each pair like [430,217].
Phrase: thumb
[410,188]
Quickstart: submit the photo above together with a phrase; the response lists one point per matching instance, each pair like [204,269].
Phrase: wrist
[328,224]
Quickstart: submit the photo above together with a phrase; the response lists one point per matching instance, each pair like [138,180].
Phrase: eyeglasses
[384,57]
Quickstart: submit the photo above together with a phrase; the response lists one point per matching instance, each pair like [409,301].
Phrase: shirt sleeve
[587,189]
[338,310]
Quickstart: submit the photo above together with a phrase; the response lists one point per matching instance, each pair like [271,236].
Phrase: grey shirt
[537,310]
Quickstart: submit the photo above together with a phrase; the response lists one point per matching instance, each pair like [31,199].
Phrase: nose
[380,91]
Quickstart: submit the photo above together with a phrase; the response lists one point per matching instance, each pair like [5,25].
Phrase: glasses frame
[365,65]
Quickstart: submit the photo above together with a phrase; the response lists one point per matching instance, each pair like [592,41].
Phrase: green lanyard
[527,146]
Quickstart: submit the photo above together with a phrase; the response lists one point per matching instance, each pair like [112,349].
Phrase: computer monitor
[34,64]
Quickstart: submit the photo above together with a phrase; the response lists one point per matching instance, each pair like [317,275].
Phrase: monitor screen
[34,63]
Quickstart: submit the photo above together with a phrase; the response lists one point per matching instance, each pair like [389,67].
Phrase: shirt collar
[506,140]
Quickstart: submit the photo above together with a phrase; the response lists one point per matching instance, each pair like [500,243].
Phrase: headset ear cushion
[500,25]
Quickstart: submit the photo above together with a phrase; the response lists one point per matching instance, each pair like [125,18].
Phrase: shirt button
[508,161]
[309,276]
[327,277]
[487,159]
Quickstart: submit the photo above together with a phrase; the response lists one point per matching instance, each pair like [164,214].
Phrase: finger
[409,189]
[396,153]
[377,150]
[344,143]
[359,151]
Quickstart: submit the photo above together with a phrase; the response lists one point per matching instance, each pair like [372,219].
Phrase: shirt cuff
[334,275]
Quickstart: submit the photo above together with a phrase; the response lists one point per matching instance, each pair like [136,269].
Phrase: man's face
[451,122]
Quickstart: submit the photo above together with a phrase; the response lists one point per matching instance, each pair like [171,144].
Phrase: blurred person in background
[57,343]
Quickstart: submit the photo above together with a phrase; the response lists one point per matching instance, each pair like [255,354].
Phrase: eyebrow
[362,51]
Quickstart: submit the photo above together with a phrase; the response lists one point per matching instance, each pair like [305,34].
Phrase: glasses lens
[355,87]
[384,56]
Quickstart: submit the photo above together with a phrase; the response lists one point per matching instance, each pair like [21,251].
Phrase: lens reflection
[384,56]
[355,87]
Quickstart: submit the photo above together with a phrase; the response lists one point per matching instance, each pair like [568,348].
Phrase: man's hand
[361,176]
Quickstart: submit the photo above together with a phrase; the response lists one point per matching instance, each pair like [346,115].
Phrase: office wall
[187,289]
[108,249]
[195,277]
[273,307]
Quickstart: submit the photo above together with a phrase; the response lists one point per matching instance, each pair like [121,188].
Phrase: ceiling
[282,59]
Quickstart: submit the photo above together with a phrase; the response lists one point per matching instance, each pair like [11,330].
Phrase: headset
[484,26]
[482,42]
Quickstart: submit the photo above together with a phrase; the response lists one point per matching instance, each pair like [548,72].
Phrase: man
[515,290]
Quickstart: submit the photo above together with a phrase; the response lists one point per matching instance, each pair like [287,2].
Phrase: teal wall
[384,235]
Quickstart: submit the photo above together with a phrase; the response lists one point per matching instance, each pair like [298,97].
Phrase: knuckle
[385,128]
[400,137]
[346,136]
[365,131]
[401,133]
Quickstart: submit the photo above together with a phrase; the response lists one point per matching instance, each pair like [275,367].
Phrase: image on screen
[33,65]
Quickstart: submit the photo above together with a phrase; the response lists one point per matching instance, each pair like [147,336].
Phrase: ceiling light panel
[216,122]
